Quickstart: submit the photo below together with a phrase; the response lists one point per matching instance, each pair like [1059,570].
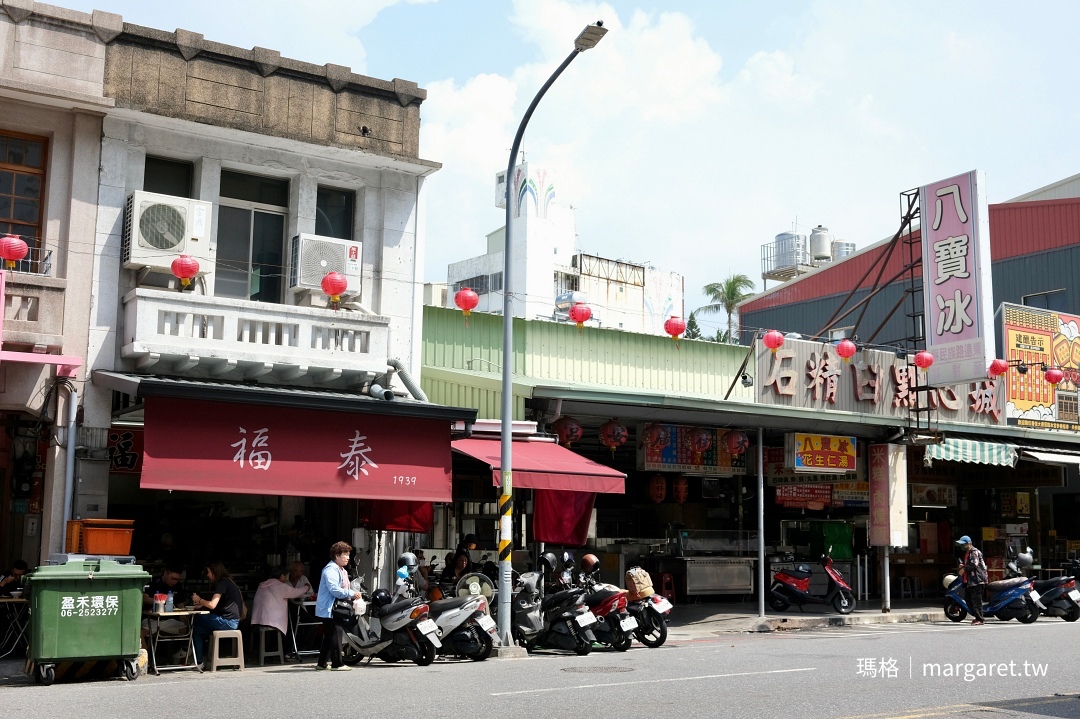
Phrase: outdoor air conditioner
[159,228]
[311,257]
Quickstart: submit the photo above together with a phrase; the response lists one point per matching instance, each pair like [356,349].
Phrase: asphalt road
[1002,669]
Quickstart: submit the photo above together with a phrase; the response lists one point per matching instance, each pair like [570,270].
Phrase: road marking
[656,681]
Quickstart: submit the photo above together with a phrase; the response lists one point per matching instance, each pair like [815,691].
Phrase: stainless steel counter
[719,575]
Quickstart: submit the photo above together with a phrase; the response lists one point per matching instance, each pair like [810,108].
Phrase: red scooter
[792,586]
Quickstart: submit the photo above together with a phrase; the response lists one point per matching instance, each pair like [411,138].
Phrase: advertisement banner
[933,495]
[1041,338]
[957,293]
[820,453]
[805,496]
[851,494]
[777,473]
[888,495]
[689,449]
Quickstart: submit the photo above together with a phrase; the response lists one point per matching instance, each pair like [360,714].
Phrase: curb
[776,623]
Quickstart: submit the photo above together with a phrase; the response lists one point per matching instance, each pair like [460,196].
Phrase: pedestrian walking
[334,585]
[973,572]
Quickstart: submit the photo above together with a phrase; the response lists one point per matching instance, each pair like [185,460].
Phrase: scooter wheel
[622,641]
[1072,615]
[583,647]
[486,645]
[1033,612]
[778,604]
[653,631]
[843,602]
[954,611]
[350,656]
[427,653]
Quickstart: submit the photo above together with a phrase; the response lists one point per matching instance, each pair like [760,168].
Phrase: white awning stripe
[1051,457]
[969,450]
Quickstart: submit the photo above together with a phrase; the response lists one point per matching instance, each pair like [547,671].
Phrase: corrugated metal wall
[1024,228]
[1043,272]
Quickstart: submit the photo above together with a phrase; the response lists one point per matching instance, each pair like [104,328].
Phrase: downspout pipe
[406,379]
[69,472]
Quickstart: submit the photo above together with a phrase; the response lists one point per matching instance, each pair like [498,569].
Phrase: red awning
[262,449]
[544,465]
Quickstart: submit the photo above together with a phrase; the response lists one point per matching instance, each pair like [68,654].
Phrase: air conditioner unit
[158,228]
[312,256]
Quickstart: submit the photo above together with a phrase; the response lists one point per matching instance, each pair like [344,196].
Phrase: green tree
[693,332]
[725,297]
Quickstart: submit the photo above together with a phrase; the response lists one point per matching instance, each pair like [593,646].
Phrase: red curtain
[400,515]
[562,517]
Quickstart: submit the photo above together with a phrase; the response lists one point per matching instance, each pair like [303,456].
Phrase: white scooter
[389,630]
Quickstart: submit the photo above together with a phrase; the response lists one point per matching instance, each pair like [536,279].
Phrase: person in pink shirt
[271,604]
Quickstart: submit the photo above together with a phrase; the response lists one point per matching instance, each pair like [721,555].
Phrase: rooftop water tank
[820,243]
[841,249]
[789,250]
[568,299]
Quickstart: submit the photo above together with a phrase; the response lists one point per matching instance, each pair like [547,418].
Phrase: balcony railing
[34,310]
[179,333]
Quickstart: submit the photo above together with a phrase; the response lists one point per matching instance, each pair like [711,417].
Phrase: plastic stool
[215,661]
[916,587]
[667,587]
[905,588]
[279,649]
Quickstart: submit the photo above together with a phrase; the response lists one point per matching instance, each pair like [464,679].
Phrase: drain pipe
[69,473]
[407,380]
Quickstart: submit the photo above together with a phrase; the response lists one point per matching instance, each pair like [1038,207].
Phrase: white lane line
[655,681]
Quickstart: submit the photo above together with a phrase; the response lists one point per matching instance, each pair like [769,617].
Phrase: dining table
[15,613]
[159,637]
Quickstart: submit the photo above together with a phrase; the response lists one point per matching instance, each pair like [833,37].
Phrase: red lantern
[846,349]
[184,268]
[657,488]
[773,340]
[997,368]
[675,326]
[923,360]
[12,249]
[613,435]
[655,437]
[736,441]
[1054,375]
[568,429]
[580,314]
[334,285]
[466,300]
[680,489]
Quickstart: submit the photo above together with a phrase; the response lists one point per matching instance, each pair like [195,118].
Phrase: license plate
[1074,595]
[1035,595]
[585,620]
[662,606]
[428,627]
[628,625]
[487,624]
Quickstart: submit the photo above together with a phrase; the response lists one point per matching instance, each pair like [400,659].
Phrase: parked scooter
[792,586]
[1006,599]
[392,631]
[558,619]
[1058,596]
[648,608]
[465,629]
[614,625]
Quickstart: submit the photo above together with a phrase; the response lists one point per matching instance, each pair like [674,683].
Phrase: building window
[1067,406]
[168,177]
[566,282]
[840,333]
[334,213]
[251,237]
[478,284]
[495,282]
[22,184]
[1054,301]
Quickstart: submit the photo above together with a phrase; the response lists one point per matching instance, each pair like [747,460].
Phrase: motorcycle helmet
[589,563]
[381,597]
[1024,560]
[408,561]
[549,561]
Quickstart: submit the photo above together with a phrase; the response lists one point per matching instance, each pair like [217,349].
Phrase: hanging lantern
[773,340]
[923,360]
[580,314]
[184,268]
[1053,375]
[466,300]
[675,326]
[568,429]
[700,441]
[997,368]
[12,249]
[736,441]
[657,488]
[655,437]
[613,435]
[680,489]
[334,285]
[846,349]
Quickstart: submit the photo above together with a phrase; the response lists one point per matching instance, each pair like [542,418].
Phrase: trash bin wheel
[129,669]
[45,674]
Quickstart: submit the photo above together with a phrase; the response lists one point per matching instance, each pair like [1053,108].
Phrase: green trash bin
[86,610]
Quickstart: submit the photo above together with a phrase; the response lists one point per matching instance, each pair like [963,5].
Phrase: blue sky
[696,131]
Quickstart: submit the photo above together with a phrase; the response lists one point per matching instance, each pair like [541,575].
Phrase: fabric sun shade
[969,450]
[544,465]
[206,446]
[1052,457]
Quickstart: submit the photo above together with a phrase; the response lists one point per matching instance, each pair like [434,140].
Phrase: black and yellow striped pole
[585,40]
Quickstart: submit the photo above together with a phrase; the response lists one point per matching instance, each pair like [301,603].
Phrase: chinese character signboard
[258,449]
[888,495]
[851,494]
[933,495]
[821,453]
[125,450]
[777,472]
[957,297]
[805,496]
[691,450]
[1036,338]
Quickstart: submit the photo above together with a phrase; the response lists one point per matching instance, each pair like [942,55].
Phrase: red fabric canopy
[544,465]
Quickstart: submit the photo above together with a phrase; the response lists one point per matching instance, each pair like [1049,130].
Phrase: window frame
[36,241]
[1063,291]
[352,214]
[270,210]
[162,158]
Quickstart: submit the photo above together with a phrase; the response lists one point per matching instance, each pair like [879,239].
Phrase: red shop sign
[258,449]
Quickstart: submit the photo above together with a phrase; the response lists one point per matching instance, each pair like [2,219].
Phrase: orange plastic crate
[73,540]
[107,540]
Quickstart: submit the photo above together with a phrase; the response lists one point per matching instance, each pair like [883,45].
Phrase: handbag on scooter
[342,610]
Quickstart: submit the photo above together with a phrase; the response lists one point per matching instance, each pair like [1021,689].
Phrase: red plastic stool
[667,587]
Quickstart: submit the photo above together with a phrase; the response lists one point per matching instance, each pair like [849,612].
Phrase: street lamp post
[585,41]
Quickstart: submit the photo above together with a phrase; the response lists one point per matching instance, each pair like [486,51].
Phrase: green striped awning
[970,450]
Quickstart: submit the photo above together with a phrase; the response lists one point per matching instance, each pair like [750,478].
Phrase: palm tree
[726,296]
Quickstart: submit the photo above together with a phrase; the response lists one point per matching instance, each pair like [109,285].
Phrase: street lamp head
[590,36]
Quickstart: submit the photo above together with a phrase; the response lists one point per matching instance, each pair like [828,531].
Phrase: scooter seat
[444,605]
[1042,586]
[796,573]
[396,607]
[600,596]
[557,598]
[1002,584]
